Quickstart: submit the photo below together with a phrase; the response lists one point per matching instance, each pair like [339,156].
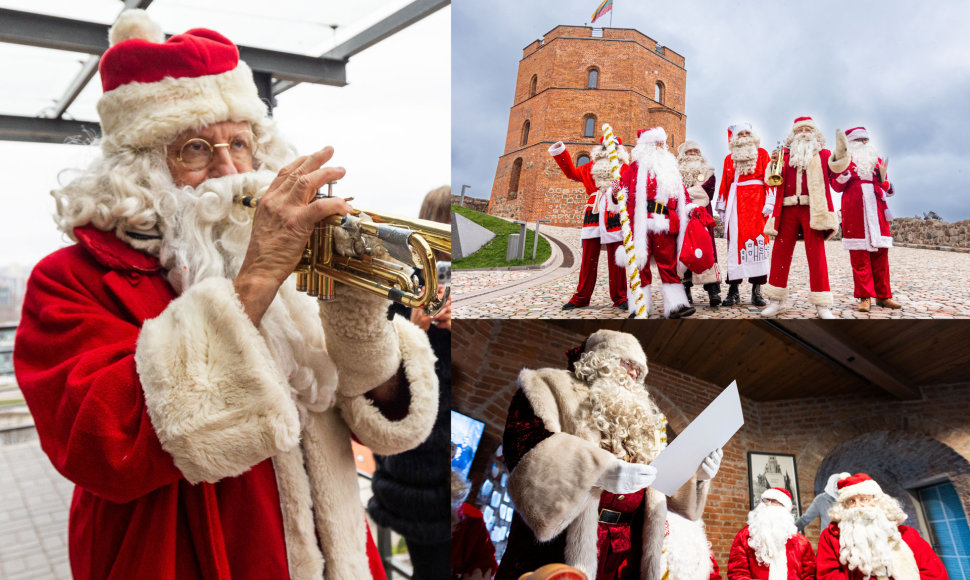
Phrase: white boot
[825,313]
[774,308]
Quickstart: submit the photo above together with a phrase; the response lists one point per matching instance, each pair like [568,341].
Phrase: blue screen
[466,433]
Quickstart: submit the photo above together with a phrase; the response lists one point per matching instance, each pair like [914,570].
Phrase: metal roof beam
[39,130]
[92,38]
[396,22]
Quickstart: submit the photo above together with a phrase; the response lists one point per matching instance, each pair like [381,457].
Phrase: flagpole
[611,14]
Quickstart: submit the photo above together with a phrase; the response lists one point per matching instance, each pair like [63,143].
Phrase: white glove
[623,477]
[710,465]
[769,202]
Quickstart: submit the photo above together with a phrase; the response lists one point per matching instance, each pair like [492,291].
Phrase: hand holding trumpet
[286,217]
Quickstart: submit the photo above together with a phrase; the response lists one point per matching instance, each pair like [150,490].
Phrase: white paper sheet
[713,428]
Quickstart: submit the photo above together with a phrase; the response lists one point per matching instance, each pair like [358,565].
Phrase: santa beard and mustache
[692,169]
[620,409]
[744,154]
[803,149]
[866,539]
[602,172]
[663,164]
[865,157]
[769,528]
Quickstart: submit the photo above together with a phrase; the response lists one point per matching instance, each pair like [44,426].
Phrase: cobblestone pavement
[34,502]
[928,284]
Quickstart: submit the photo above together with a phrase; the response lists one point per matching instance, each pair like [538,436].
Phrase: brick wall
[902,444]
[629,65]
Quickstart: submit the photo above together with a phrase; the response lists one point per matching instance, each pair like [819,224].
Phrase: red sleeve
[565,163]
[827,562]
[715,571]
[807,571]
[75,363]
[738,568]
[764,158]
[523,430]
[930,565]
[727,177]
[672,206]
[471,546]
[709,186]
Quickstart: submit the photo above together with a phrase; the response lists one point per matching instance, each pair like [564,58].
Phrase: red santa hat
[805,122]
[780,495]
[856,133]
[737,128]
[655,135]
[858,484]
[156,89]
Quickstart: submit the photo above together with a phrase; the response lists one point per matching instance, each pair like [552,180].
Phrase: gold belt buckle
[658,207]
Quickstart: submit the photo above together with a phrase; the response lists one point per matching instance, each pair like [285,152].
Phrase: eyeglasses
[631,367]
[859,500]
[197,153]
[769,501]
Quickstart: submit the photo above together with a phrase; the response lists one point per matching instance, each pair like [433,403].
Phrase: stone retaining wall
[471,203]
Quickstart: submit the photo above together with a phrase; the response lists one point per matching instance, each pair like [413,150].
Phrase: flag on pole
[604,7]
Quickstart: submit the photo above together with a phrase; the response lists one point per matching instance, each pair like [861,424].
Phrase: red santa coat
[864,209]
[135,513]
[471,546]
[922,562]
[742,197]
[598,222]
[809,188]
[655,213]
[743,563]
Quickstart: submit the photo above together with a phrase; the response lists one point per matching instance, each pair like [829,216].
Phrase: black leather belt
[655,207]
[612,517]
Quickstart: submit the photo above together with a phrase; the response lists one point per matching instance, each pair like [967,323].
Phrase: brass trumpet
[409,240]
[775,174]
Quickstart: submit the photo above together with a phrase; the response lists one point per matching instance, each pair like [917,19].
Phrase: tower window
[589,126]
[583,159]
[525,134]
[658,92]
[514,180]
[592,79]
[532,86]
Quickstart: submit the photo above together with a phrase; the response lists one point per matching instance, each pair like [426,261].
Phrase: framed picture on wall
[767,470]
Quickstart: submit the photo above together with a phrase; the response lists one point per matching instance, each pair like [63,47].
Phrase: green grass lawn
[492,254]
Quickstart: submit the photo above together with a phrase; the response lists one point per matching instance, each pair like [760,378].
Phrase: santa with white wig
[657,204]
[865,220]
[866,538]
[770,547]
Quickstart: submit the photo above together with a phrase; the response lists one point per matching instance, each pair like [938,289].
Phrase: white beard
[663,164]
[692,168]
[744,154]
[601,172]
[769,529]
[866,538]
[804,147]
[864,156]
[630,425]
[206,235]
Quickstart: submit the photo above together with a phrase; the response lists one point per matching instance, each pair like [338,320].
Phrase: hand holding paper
[710,465]
[623,477]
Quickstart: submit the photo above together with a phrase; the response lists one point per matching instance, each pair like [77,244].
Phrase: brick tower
[571,82]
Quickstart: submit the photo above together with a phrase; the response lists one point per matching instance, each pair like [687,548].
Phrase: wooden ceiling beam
[828,341]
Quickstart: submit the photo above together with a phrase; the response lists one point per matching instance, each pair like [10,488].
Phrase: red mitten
[674,220]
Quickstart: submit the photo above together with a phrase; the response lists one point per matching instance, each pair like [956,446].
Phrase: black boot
[756,298]
[733,296]
[687,286]
[714,295]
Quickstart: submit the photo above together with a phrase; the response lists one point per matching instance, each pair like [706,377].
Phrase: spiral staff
[632,272]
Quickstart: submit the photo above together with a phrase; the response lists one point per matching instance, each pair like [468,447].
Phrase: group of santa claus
[669,201]
[864,539]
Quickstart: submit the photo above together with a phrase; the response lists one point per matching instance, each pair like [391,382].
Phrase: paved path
[34,502]
[928,283]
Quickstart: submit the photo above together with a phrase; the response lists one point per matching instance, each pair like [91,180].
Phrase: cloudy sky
[397,99]
[902,69]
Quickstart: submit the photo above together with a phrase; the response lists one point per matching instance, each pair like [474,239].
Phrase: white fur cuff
[820,298]
[774,292]
[360,340]
[371,427]
[216,397]
[556,148]
[770,229]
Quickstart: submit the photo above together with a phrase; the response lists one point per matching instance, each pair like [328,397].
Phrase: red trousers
[663,250]
[870,272]
[587,273]
[793,219]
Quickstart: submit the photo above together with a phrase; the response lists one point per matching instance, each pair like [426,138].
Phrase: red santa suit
[743,563]
[865,226]
[601,228]
[742,198]
[914,559]
[657,207]
[179,482]
[802,207]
